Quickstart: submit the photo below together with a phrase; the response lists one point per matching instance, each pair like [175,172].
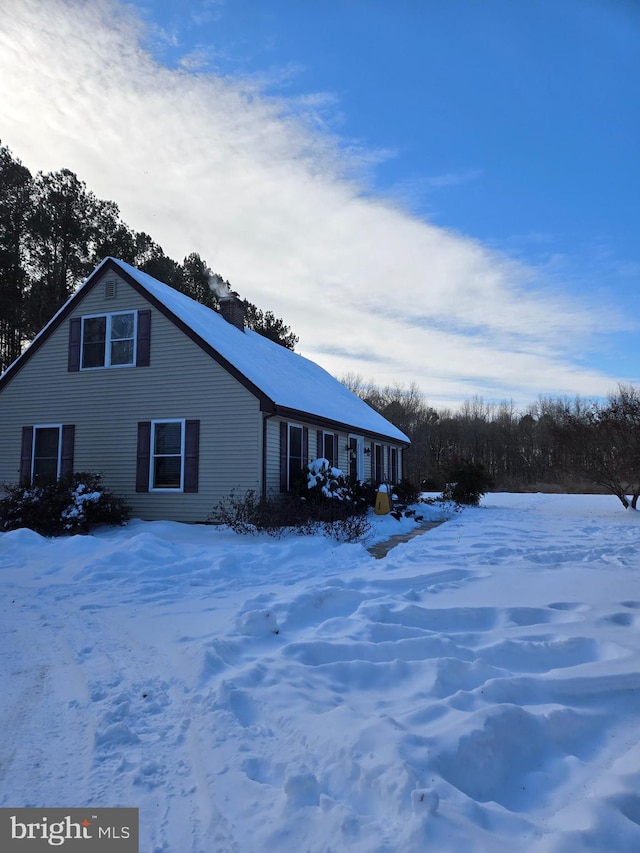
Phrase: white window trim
[377,481]
[359,455]
[107,342]
[36,427]
[152,455]
[325,433]
[301,428]
[396,450]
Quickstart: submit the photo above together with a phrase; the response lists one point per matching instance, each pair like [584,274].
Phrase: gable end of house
[110,266]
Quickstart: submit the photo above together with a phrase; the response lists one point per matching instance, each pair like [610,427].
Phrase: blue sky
[443,192]
[512,122]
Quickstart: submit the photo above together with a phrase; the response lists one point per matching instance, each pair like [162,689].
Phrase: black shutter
[26,453]
[320,446]
[144,456]
[66,456]
[191,455]
[75,337]
[305,446]
[336,458]
[143,345]
[284,452]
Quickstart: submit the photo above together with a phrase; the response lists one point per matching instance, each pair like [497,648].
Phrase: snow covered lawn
[476,690]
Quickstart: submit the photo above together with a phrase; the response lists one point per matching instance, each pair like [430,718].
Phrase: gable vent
[110,288]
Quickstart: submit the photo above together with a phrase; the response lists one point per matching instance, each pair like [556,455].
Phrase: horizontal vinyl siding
[273,456]
[105,406]
[273,452]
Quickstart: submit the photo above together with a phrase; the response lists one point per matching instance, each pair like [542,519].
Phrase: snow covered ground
[476,690]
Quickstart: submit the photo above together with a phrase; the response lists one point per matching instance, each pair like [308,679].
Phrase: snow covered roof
[287,379]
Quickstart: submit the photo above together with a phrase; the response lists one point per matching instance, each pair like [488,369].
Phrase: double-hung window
[45,459]
[378,464]
[167,455]
[393,464]
[108,340]
[116,339]
[329,446]
[356,459]
[46,453]
[294,453]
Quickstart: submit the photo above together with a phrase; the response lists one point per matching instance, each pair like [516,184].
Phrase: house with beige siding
[177,405]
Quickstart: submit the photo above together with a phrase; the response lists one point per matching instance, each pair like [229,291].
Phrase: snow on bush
[76,510]
[326,480]
[70,505]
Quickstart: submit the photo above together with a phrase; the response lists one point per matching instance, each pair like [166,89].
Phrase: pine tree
[16,186]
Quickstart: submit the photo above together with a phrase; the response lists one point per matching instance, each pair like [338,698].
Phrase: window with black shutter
[294,453]
[378,465]
[117,339]
[47,453]
[168,455]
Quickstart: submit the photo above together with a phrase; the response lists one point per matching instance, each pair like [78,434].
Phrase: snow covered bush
[70,505]
[321,480]
[323,484]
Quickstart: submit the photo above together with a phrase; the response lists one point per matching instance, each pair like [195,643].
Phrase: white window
[356,459]
[328,445]
[108,340]
[295,454]
[167,456]
[46,454]
[378,464]
[393,464]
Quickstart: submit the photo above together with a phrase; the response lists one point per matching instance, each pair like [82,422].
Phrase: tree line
[54,232]
[554,444]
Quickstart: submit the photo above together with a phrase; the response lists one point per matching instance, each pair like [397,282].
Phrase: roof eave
[336,426]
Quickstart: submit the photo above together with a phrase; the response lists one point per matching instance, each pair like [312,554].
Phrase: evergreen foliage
[407,492]
[467,482]
[269,326]
[54,232]
[73,504]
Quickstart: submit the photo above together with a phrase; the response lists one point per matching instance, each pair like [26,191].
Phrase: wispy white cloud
[199,59]
[275,205]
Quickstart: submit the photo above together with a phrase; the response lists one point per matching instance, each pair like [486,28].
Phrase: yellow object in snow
[383,501]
